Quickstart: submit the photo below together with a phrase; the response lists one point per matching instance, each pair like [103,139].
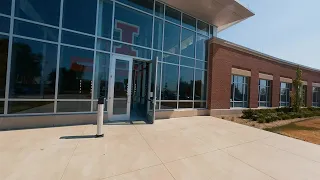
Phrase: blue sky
[287,29]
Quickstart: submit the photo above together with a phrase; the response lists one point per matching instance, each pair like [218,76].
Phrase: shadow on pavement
[79,137]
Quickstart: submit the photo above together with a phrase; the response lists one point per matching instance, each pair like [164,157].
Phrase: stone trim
[266,76]
[286,80]
[241,72]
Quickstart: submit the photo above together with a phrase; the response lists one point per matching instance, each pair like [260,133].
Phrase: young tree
[297,83]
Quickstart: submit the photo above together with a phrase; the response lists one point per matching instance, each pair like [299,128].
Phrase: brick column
[254,89]
[276,90]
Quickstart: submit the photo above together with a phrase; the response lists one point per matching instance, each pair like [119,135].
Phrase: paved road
[193,148]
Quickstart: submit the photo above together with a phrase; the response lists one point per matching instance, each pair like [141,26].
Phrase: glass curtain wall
[55,59]
[285,89]
[239,91]
[316,96]
[265,93]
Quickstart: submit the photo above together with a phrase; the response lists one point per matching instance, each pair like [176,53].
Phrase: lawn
[307,130]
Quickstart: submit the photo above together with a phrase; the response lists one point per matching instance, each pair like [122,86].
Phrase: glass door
[120,88]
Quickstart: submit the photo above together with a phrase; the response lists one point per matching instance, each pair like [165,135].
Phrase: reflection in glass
[159,9]
[188,39]
[157,54]
[105,18]
[187,62]
[239,91]
[203,28]
[4,41]
[184,105]
[189,22]
[33,69]
[201,64]
[264,93]
[132,26]
[201,48]
[145,5]
[157,36]
[35,31]
[5,7]
[74,17]
[101,75]
[285,89]
[131,50]
[171,38]
[73,106]
[27,107]
[75,73]
[77,39]
[103,45]
[200,85]
[169,88]
[316,96]
[199,104]
[1,107]
[171,58]
[186,83]
[173,15]
[121,79]
[4,24]
[47,11]
[168,105]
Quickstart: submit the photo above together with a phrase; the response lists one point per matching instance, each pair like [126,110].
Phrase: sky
[286,29]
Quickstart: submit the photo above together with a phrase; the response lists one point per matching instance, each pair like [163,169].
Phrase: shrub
[285,116]
[248,114]
[261,120]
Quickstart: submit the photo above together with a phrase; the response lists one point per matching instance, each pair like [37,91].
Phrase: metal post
[100,117]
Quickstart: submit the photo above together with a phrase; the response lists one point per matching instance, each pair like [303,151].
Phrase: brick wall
[223,58]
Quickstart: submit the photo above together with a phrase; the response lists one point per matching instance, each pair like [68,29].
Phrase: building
[150,59]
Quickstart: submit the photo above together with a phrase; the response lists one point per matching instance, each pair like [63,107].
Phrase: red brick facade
[224,56]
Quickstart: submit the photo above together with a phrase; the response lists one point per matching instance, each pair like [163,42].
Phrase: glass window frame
[287,88]
[268,87]
[244,83]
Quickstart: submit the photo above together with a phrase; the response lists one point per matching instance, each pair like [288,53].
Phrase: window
[35,31]
[73,106]
[159,9]
[4,24]
[103,45]
[200,85]
[186,83]
[239,91]
[201,47]
[101,75]
[157,36]
[171,38]
[187,61]
[5,7]
[145,5]
[173,15]
[27,107]
[74,17]
[188,39]
[169,89]
[33,70]
[105,18]
[132,26]
[285,89]
[75,73]
[189,22]
[4,41]
[47,12]
[131,50]
[264,93]
[171,58]
[316,96]
[203,28]
[77,39]
[1,107]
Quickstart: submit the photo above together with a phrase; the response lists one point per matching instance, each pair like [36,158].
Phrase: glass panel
[74,17]
[103,45]
[171,38]
[16,107]
[168,105]
[188,39]
[238,104]
[283,85]
[157,36]
[199,104]
[203,28]
[145,5]
[75,79]
[105,18]
[132,26]
[4,41]
[1,107]
[184,105]
[200,85]
[157,54]
[173,15]
[33,69]
[263,82]
[159,9]
[169,82]
[5,7]
[245,92]
[101,75]
[201,48]
[238,94]
[171,58]
[158,80]
[121,78]
[201,64]
[77,39]
[189,22]
[47,12]
[186,83]
[232,92]
[131,50]
[73,106]
[4,24]
[35,31]
[187,62]
[263,94]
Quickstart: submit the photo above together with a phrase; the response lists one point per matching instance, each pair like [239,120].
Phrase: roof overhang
[221,13]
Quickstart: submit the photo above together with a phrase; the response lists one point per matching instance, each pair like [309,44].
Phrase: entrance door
[152,95]
[119,95]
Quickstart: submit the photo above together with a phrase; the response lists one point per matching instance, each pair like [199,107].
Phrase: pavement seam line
[154,152]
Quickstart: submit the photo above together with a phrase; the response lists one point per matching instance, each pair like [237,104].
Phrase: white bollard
[100,117]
